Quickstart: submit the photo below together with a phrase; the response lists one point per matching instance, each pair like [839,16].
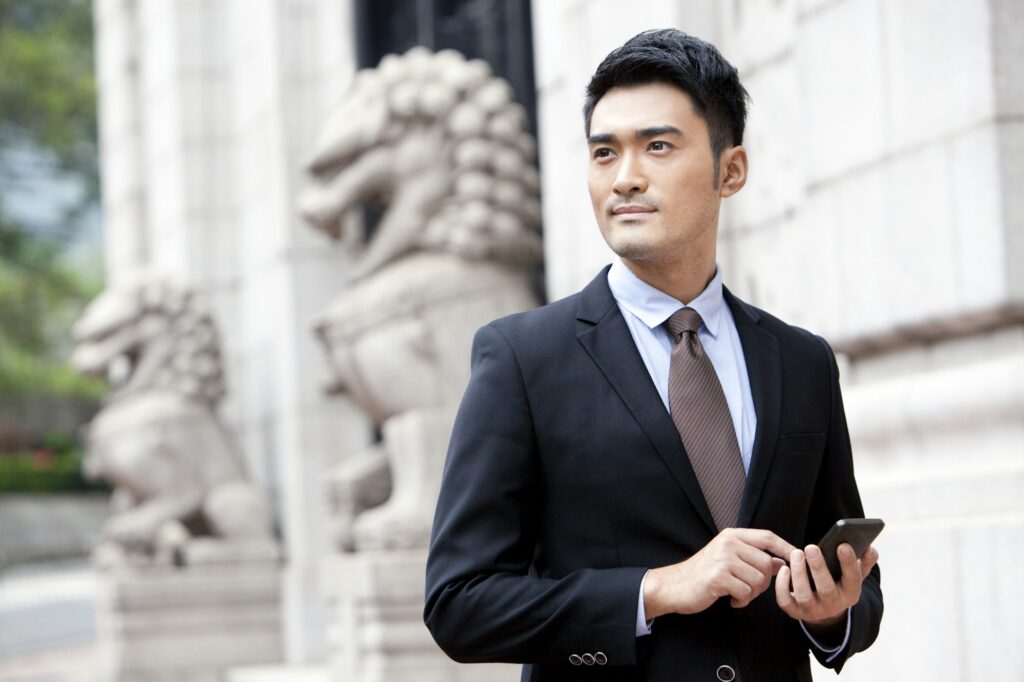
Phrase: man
[633,467]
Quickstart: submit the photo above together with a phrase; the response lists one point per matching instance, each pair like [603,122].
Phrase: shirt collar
[653,306]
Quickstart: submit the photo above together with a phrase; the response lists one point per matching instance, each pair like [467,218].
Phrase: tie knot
[682,321]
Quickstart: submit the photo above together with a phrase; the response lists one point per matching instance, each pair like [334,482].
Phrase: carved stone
[161,623]
[189,570]
[175,468]
[438,143]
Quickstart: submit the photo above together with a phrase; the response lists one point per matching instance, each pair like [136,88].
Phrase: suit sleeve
[836,497]
[484,603]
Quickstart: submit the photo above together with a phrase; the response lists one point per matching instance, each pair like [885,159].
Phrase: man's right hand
[738,562]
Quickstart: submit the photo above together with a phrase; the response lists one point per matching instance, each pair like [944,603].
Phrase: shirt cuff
[643,626]
[833,651]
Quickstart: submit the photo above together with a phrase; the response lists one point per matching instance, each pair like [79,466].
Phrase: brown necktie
[701,414]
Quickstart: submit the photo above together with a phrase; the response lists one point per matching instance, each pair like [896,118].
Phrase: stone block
[896,248]
[980,230]
[776,149]
[118,107]
[991,595]
[116,41]
[190,622]
[200,31]
[377,629]
[702,18]
[755,34]
[549,45]
[278,673]
[124,235]
[159,56]
[840,66]
[1007,16]
[122,167]
[937,75]
[568,219]
[215,257]
[1011,173]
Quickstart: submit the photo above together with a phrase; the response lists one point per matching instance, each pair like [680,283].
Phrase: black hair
[694,66]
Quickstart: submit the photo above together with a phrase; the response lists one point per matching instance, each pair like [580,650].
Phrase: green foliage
[35,286]
[43,471]
[47,88]
[24,374]
[47,131]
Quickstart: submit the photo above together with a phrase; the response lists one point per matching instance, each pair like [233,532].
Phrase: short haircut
[694,66]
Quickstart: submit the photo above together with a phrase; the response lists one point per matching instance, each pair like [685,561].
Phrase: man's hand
[824,608]
[738,562]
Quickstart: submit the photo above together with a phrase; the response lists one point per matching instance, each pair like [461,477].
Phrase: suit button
[600,658]
[575,659]
[725,673]
[588,659]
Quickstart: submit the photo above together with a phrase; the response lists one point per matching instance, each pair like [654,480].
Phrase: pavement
[47,623]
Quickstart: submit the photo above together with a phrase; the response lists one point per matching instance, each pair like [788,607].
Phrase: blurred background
[228,145]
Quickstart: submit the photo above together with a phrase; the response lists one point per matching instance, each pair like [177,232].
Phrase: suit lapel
[764,369]
[606,338]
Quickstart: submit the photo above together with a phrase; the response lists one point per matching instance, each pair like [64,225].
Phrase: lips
[620,210]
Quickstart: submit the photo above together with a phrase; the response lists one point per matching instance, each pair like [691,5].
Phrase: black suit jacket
[566,480]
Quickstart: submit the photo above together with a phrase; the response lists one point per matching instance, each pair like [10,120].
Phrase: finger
[777,565]
[868,561]
[740,593]
[765,540]
[852,572]
[824,583]
[751,576]
[802,591]
[758,559]
[783,597]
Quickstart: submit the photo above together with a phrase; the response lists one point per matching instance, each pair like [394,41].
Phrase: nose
[630,178]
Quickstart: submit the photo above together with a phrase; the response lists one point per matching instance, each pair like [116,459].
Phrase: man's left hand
[825,606]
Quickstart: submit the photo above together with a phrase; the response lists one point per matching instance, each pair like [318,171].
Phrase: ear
[732,174]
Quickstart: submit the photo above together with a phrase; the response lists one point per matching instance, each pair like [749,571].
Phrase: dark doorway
[497,31]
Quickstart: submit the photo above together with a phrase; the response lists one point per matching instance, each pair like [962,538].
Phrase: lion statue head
[151,332]
[438,144]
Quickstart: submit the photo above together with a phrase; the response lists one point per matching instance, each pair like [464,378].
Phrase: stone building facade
[886,143]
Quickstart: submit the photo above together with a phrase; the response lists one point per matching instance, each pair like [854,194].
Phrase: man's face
[652,173]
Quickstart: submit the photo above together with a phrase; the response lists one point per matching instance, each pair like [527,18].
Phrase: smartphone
[859,533]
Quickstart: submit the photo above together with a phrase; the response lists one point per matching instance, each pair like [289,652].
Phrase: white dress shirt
[645,310]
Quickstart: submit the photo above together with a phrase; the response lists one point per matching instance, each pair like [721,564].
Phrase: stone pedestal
[167,623]
[377,632]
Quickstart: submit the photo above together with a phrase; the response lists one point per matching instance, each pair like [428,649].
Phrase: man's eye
[602,153]
[659,146]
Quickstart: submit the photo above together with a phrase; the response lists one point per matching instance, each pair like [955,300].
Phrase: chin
[633,249]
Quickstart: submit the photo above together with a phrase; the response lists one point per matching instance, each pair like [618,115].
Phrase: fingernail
[813,553]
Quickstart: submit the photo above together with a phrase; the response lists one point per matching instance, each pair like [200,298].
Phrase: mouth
[632,212]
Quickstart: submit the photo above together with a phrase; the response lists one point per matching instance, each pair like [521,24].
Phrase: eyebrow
[641,134]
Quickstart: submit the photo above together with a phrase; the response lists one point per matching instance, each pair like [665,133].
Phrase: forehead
[630,108]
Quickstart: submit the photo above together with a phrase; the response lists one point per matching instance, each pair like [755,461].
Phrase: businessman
[638,473]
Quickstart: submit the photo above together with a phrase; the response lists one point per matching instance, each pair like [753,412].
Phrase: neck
[683,281]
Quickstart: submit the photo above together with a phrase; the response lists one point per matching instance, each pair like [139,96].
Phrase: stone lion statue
[438,147]
[176,472]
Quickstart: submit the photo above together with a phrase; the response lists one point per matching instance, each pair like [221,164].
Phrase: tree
[47,136]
